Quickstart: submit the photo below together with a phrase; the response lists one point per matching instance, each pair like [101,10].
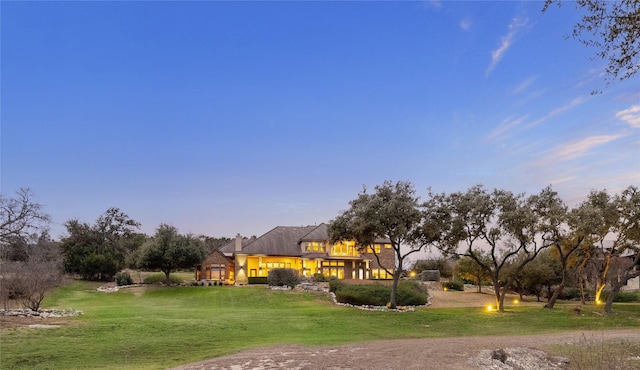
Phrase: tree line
[33,263]
[501,233]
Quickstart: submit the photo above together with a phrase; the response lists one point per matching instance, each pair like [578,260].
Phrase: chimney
[238,243]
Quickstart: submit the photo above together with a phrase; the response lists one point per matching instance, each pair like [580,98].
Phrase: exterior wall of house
[387,260]
[241,269]
[352,265]
[216,267]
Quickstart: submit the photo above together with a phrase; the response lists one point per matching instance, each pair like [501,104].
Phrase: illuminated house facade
[303,248]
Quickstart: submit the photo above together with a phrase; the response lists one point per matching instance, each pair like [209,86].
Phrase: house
[303,248]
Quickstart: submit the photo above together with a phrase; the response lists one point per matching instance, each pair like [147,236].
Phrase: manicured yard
[159,327]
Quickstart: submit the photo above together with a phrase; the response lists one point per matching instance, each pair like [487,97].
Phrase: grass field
[159,327]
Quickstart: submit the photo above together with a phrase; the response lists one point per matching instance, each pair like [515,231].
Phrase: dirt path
[441,353]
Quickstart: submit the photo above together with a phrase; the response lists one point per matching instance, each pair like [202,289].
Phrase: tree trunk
[582,297]
[600,287]
[554,297]
[615,289]
[558,291]
[503,293]
[496,288]
[167,281]
[394,289]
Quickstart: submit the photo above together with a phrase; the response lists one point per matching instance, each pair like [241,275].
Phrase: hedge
[453,285]
[409,293]
[258,280]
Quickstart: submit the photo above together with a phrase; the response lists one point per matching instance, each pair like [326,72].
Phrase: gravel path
[441,353]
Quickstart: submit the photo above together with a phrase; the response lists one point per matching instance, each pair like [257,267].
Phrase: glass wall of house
[310,267]
[333,269]
[309,247]
[261,265]
[344,249]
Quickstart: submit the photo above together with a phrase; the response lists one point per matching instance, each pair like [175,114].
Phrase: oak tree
[98,252]
[613,28]
[167,251]
[392,211]
[503,224]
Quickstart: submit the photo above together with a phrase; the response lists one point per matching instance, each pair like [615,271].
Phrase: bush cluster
[160,278]
[453,285]
[283,277]
[318,278]
[335,284]
[123,278]
[623,297]
[409,293]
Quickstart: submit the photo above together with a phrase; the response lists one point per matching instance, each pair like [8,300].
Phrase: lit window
[344,249]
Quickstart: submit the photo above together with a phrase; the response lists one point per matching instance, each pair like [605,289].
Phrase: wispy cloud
[562,180]
[630,115]
[465,24]
[524,85]
[580,148]
[505,43]
[572,104]
[434,4]
[505,127]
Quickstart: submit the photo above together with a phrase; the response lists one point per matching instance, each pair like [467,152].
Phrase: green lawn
[159,327]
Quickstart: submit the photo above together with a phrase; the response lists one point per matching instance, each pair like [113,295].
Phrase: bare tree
[29,280]
[20,216]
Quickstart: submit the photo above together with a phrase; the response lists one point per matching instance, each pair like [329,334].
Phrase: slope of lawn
[159,327]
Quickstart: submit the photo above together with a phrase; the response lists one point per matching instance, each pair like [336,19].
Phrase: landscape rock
[520,358]
[44,313]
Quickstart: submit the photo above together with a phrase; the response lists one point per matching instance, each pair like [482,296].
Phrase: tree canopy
[504,224]
[98,252]
[167,251]
[392,211]
[613,28]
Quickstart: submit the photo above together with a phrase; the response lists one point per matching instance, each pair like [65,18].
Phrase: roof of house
[280,241]
[284,241]
[319,233]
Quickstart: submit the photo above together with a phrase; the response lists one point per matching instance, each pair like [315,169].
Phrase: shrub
[570,294]
[123,278]
[363,295]
[453,285]
[160,278]
[318,278]
[283,277]
[258,280]
[410,293]
[625,297]
[335,285]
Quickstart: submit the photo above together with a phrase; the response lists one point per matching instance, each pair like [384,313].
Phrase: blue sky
[235,117]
